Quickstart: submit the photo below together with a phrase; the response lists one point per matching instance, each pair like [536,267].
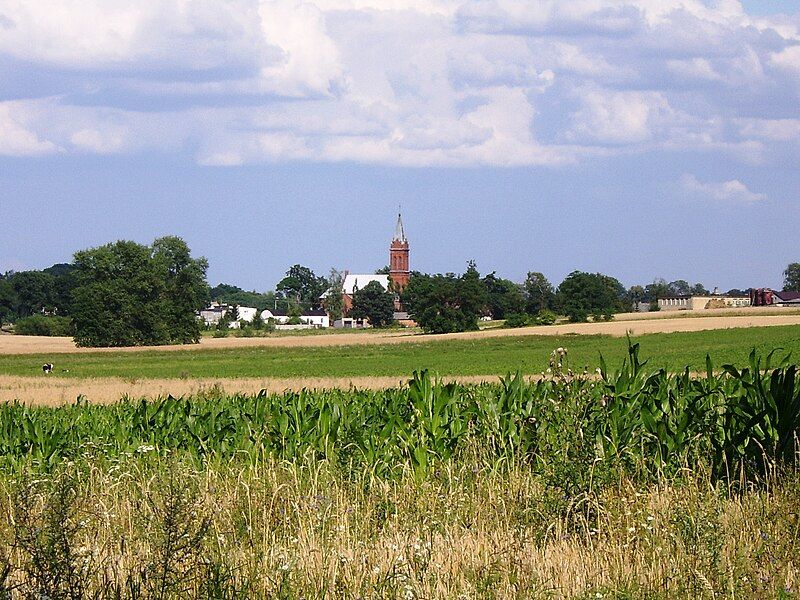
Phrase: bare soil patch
[634,324]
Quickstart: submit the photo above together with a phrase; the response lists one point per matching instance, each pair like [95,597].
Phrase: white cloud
[788,58]
[778,130]
[16,139]
[733,190]
[407,82]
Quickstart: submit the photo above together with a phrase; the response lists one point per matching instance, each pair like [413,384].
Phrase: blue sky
[639,138]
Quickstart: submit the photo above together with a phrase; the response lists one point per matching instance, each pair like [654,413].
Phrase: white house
[316,318]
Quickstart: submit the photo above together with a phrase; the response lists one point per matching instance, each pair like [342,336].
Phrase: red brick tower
[398,258]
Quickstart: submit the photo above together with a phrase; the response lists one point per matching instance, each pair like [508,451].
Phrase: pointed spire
[399,234]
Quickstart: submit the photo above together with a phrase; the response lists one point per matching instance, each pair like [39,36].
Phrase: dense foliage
[446,303]
[583,294]
[791,278]
[374,303]
[46,326]
[128,294]
[642,423]
[303,286]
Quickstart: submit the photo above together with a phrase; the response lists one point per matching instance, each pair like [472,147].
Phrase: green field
[489,356]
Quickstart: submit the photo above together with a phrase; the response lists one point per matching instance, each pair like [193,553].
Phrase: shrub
[41,325]
[516,320]
[545,317]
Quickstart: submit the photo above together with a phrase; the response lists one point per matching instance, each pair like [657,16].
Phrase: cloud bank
[398,82]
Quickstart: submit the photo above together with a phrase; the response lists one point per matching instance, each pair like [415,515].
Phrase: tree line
[125,293]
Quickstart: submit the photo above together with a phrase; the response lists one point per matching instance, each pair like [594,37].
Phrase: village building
[702,302]
[395,282]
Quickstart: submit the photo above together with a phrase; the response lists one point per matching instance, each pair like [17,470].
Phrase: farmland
[663,476]
[110,374]
[635,484]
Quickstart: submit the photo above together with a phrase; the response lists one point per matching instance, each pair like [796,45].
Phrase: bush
[545,317]
[41,325]
[516,320]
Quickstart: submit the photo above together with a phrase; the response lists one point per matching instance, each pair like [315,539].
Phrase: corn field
[620,484]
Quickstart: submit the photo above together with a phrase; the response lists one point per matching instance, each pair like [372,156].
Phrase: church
[395,281]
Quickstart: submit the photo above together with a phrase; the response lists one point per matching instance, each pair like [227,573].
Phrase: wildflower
[145,448]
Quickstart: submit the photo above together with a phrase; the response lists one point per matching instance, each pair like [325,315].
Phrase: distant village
[398,277]
[394,281]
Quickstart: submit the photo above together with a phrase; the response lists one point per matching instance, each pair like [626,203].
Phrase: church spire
[399,234]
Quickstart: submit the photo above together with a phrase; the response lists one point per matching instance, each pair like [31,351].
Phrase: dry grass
[634,324]
[56,391]
[294,532]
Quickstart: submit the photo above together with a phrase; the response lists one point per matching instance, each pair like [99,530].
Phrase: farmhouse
[317,318]
[786,298]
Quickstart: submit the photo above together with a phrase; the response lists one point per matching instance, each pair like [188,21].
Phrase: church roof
[358,282]
[399,233]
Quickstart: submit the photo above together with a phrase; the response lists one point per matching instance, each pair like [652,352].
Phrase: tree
[374,303]
[679,287]
[539,292]
[504,296]
[8,300]
[582,294]
[635,295]
[185,288]
[35,292]
[791,278]
[653,291]
[446,303]
[698,289]
[128,294]
[302,284]
[334,298]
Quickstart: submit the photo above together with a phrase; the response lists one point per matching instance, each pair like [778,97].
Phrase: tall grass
[631,483]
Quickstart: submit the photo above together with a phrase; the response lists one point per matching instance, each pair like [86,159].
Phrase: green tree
[128,294]
[118,296]
[35,292]
[374,303]
[504,296]
[64,282]
[185,288]
[303,285]
[635,295]
[446,303]
[539,292]
[583,294]
[334,298]
[791,278]
[8,300]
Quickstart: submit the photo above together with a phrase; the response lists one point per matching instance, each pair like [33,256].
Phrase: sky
[637,138]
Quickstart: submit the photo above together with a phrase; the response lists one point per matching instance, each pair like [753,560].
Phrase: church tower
[399,271]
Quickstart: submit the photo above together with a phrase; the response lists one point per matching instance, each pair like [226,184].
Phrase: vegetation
[41,325]
[539,293]
[583,294]
[303,286]
[453,357]
[127,294]
[504,297]
[633,483]
[791,278]
[446,303]
[373,303]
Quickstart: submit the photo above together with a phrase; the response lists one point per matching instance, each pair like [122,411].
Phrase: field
[367,361]
[636,484]
[560,482]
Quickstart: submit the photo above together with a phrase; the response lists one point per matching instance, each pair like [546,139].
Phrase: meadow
[634,482]
[453,357]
